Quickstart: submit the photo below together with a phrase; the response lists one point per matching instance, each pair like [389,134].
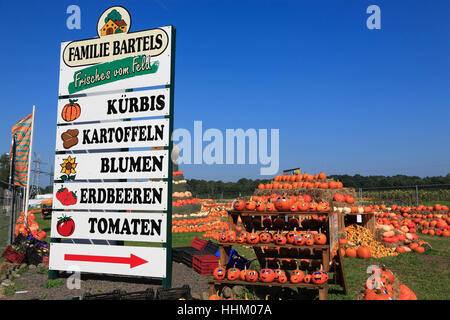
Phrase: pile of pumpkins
[425,222]
[404,238]
[186,194]
[32,227]
[360,242]
[281,204]
[297,181]
[268,275]
[185,202]
[299,238]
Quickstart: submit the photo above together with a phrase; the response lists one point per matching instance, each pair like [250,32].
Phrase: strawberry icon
[66,197]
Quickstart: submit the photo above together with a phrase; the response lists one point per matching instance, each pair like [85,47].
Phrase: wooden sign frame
[168,146]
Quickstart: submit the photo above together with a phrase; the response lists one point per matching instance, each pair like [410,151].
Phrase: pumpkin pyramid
[318,188]
[182,200]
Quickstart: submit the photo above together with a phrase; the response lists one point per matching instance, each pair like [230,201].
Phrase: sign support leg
[167,281]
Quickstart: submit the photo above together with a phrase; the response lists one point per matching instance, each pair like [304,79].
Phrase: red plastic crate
[13,255]
[205,264]
[198,243]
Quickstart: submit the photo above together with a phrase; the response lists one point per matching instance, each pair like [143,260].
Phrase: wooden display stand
[263,252]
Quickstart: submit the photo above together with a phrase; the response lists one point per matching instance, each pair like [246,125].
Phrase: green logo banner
[104,73]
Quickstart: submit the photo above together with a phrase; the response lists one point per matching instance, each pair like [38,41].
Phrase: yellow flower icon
[68,166]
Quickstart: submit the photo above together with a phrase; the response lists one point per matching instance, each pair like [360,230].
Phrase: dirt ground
[32,284]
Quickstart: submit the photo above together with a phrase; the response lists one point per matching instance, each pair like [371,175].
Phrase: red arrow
[133,260]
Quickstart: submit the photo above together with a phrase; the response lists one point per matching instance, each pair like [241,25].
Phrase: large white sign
[112,165]
[146,196]
[94,78]
[135,261]
[117,61]
[122,134]
[138,104]
[146,227]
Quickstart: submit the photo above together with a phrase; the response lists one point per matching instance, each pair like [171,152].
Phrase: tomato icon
[65,226]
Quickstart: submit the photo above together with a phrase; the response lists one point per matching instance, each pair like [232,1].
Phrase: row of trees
[358,181]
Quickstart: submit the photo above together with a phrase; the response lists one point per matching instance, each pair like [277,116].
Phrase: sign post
[167,282]
[105,135]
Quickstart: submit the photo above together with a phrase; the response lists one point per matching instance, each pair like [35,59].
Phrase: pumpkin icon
[71,111]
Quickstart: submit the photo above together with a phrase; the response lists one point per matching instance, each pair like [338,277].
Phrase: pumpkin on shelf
[309,240]
[282,278]
[241,239]
[260,206]
[279,239]
[303,206]
[243,274]
[239,205]
[307,278]
[323,206]
[297,276]
[300,239]
[320,238]
[251,276]
[290,236]
[265,237]
[219,273]
[223,237]
[250,205]
[233,274]
[277,273]
[253,238]
[319,277]
[270,207]
[266,275]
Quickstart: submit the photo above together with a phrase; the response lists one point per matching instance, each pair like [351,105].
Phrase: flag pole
[27,190]
[12,218]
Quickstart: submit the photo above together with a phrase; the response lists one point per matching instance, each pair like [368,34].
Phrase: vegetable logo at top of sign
[66,197]
[65,226]
[71,111]
[68,168]
[114,20]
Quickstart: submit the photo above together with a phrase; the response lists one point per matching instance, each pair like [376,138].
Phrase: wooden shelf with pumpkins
[291,235]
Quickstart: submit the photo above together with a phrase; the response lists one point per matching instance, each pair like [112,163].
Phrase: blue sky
[346,99]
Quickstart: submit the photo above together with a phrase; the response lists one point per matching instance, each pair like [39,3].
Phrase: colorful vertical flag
[22,131]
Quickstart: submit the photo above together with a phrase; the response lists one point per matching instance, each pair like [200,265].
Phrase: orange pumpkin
[71,111]
[350,252]
[363,253]
[419,249]
[400,249]
[320,239]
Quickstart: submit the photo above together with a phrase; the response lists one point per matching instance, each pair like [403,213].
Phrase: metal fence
[407,195]
[221,196]
[11,204]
